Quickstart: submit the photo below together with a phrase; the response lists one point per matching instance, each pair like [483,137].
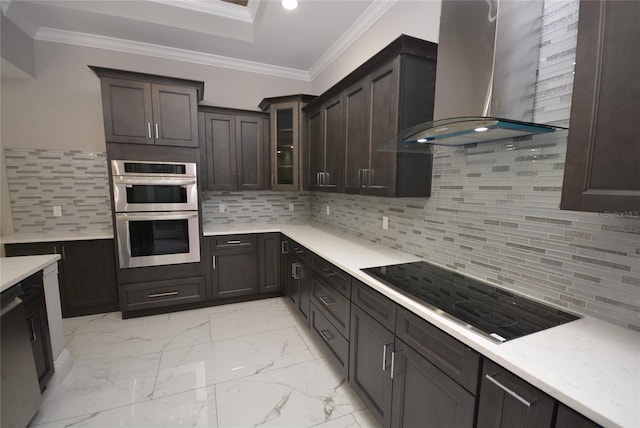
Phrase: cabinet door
[370,349]
[270,264]
[357,134]
[127,111]
[235,270]
[249,153]
[285,147]
[90,277]
[384,86]
[219,150]
[175,120]
[315,149]
[569,418]
[510,402]
[602,168]
[304,287]
[38,325]
[421,392]
[333,111]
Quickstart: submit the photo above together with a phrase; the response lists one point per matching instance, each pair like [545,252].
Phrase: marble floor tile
[202,365]
[106,321]
[315,344]
[299,396]
[212,310]
[365,419]
[98,384]
[141,339]
[346,421]
[251,319]
[195,408]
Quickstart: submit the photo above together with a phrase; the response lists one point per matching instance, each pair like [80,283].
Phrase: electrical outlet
[223,208]
[385,222]
[57,211]
[328,210]
[291,207]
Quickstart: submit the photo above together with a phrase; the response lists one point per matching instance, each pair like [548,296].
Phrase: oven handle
[154,181]
[173,215]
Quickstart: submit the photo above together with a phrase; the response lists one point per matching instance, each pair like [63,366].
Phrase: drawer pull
[326,300]
[326,335]
[235,242]
[508,391]
[284,247]
[168,293]
[329,272]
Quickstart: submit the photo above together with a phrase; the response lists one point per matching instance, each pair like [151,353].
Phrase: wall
[16,48]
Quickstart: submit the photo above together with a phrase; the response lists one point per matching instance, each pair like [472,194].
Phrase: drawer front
[381,308]
[333,305]
[157,294]
[225,242]
[338,345]
[334,276]
[458,361]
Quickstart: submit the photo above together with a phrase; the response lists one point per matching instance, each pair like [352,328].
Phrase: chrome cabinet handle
[157,132]
[369,177]
[327,178]
[508,391]
[213,261]
[318,180]
[64,255]
[326,300]
[329,272]
[295,272]
[393,363]
[234,242]
[326,335]
[149,130]
[284,247]
[33,330]
[384,357]
[168,293]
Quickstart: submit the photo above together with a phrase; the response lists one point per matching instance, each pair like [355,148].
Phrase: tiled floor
[243,365]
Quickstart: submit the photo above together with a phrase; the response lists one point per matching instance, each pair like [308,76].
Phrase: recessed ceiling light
[421,140]
[289,4]
[481,129]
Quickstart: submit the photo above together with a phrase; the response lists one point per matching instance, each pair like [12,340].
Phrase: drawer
[338,345]
[333,305]
[233,241]
[157,294]
[381,308]
[297,249]
[456,359]
[334,276]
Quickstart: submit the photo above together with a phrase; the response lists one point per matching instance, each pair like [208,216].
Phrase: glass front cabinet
[285,140]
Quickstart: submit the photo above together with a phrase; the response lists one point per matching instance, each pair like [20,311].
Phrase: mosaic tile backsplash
[73,179]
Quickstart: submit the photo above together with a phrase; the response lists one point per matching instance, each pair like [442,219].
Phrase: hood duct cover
[488,54]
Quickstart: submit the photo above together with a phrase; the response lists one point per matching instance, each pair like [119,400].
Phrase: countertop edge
[29,238]
[15,269]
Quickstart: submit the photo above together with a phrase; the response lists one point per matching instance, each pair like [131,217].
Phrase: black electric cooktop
[494,312]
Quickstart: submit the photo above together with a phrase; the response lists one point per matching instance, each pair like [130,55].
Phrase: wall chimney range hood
[486,74]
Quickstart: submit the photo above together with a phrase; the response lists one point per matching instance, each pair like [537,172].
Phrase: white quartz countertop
[15,269]
[23,238]
[590,365]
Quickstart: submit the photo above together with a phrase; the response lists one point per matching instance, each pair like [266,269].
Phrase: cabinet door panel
[235,272]
[384,87]
[334,145]
[315,149]
[175,115]
[285,146]
[357,134]
[421,392]
[269,255]
[38,325]
[220,131]
[127,111]
[249,153]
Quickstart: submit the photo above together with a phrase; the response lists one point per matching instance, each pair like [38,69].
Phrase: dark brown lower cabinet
[269,260]
[296,276]
[157,294]
[234,266]
[86,273]
[336,343]
[509,402]
[370,349]
[38,325]
[568,418]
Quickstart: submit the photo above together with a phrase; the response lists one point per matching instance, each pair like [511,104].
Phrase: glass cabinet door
[284,146]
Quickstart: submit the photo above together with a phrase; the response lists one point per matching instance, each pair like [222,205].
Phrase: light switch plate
[328,210]
[291,207]
[385,222]
[223,208]
[57,211]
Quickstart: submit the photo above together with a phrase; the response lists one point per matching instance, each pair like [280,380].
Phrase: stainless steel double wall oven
[156,213]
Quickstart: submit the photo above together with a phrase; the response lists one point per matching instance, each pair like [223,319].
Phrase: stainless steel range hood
[486,73]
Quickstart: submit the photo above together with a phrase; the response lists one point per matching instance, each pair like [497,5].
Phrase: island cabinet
[362,117]
[287,127]
[234,149]
[147,109]
[602,167]
[87,274]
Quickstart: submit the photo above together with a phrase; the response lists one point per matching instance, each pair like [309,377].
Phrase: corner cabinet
[353,128]
[602,168]
[286,126]
[146,109]
[234,149]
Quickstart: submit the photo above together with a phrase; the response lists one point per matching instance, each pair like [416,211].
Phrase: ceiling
[262,36]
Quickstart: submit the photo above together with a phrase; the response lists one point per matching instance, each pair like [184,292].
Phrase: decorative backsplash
[75,180]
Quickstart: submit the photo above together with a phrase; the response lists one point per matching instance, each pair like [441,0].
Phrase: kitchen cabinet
[286,127]
[159,294]
[269,260]
[86,277]
[297,274]
[508,401]
[234,266]
[602,167]
[234,149]
[568,418]
[146,109]
[326,146]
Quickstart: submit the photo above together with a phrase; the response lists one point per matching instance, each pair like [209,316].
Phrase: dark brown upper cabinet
[234,149]
[146,109]
[389,93]
[285,150]
[602,169]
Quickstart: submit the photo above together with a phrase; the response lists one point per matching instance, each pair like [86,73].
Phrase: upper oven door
[135,194]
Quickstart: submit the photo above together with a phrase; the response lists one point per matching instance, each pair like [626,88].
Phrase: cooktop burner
[495,312]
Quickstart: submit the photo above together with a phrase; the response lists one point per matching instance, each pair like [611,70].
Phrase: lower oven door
[156,239]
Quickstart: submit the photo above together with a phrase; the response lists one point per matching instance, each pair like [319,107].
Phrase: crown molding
[366,20]
[149,49]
